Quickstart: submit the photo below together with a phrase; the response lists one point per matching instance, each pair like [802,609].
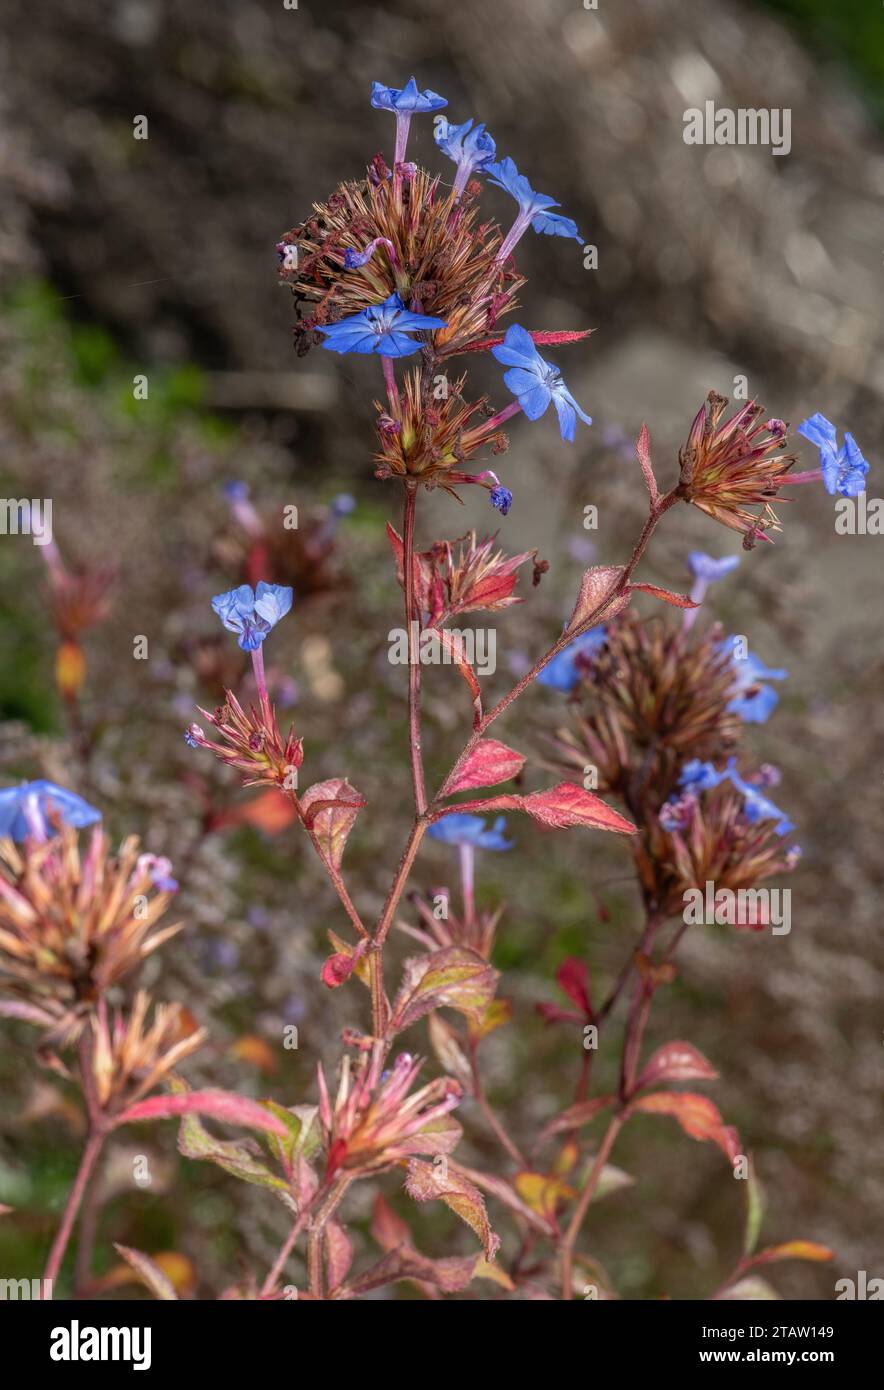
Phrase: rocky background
[121,256]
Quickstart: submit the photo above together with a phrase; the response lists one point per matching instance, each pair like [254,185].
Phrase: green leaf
[454,978]
[236,1156]
[442,1182]
[754,1210]
[302,1138]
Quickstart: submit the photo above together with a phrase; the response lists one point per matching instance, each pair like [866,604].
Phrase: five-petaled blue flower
[471,148]
[565,670]
[754,701]
[700,776]
[29,808]
[252,613]
[383,328]
[464,829]
[406,98]
[533,207]
[708,569]
[844,470]
[501,498]
[536,382]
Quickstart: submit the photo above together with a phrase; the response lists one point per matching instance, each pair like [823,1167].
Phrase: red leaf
[575,1116]
[339,967]
[489,762]
[572,977]
[676,1061]
[597,582]
[544,336]
[330,810]
[677,600]
[268,811]
[566,805]
[338,1253]
[423,570]
[222,1105]
[697,1116]
[560,807]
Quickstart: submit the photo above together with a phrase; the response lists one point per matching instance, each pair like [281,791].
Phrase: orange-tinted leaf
[544,1193]
[697,1116]
[490,762]
[442,1182]
[70,669]
[676,600]
[499,1012]
[269,811]
[792,1250]
[256,1051]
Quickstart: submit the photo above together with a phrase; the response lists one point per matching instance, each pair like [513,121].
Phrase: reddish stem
[414,671]
[72,1207]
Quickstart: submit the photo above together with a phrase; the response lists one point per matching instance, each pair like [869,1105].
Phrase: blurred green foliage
[849,30]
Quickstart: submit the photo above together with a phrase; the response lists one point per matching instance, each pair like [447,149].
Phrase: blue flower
[383,328]
[536,382]
[471,148]
[463,829]
[757,806]
[844,470]
[700,776]
[160,870]
[502,499]
[565,670]
[406,98]
[754,702]
[533,207]
[506,176]
[553,224]
[404,102]
[708,569]
[252,613]
[26,809]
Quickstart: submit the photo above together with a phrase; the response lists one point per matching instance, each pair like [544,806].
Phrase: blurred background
[123,258]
